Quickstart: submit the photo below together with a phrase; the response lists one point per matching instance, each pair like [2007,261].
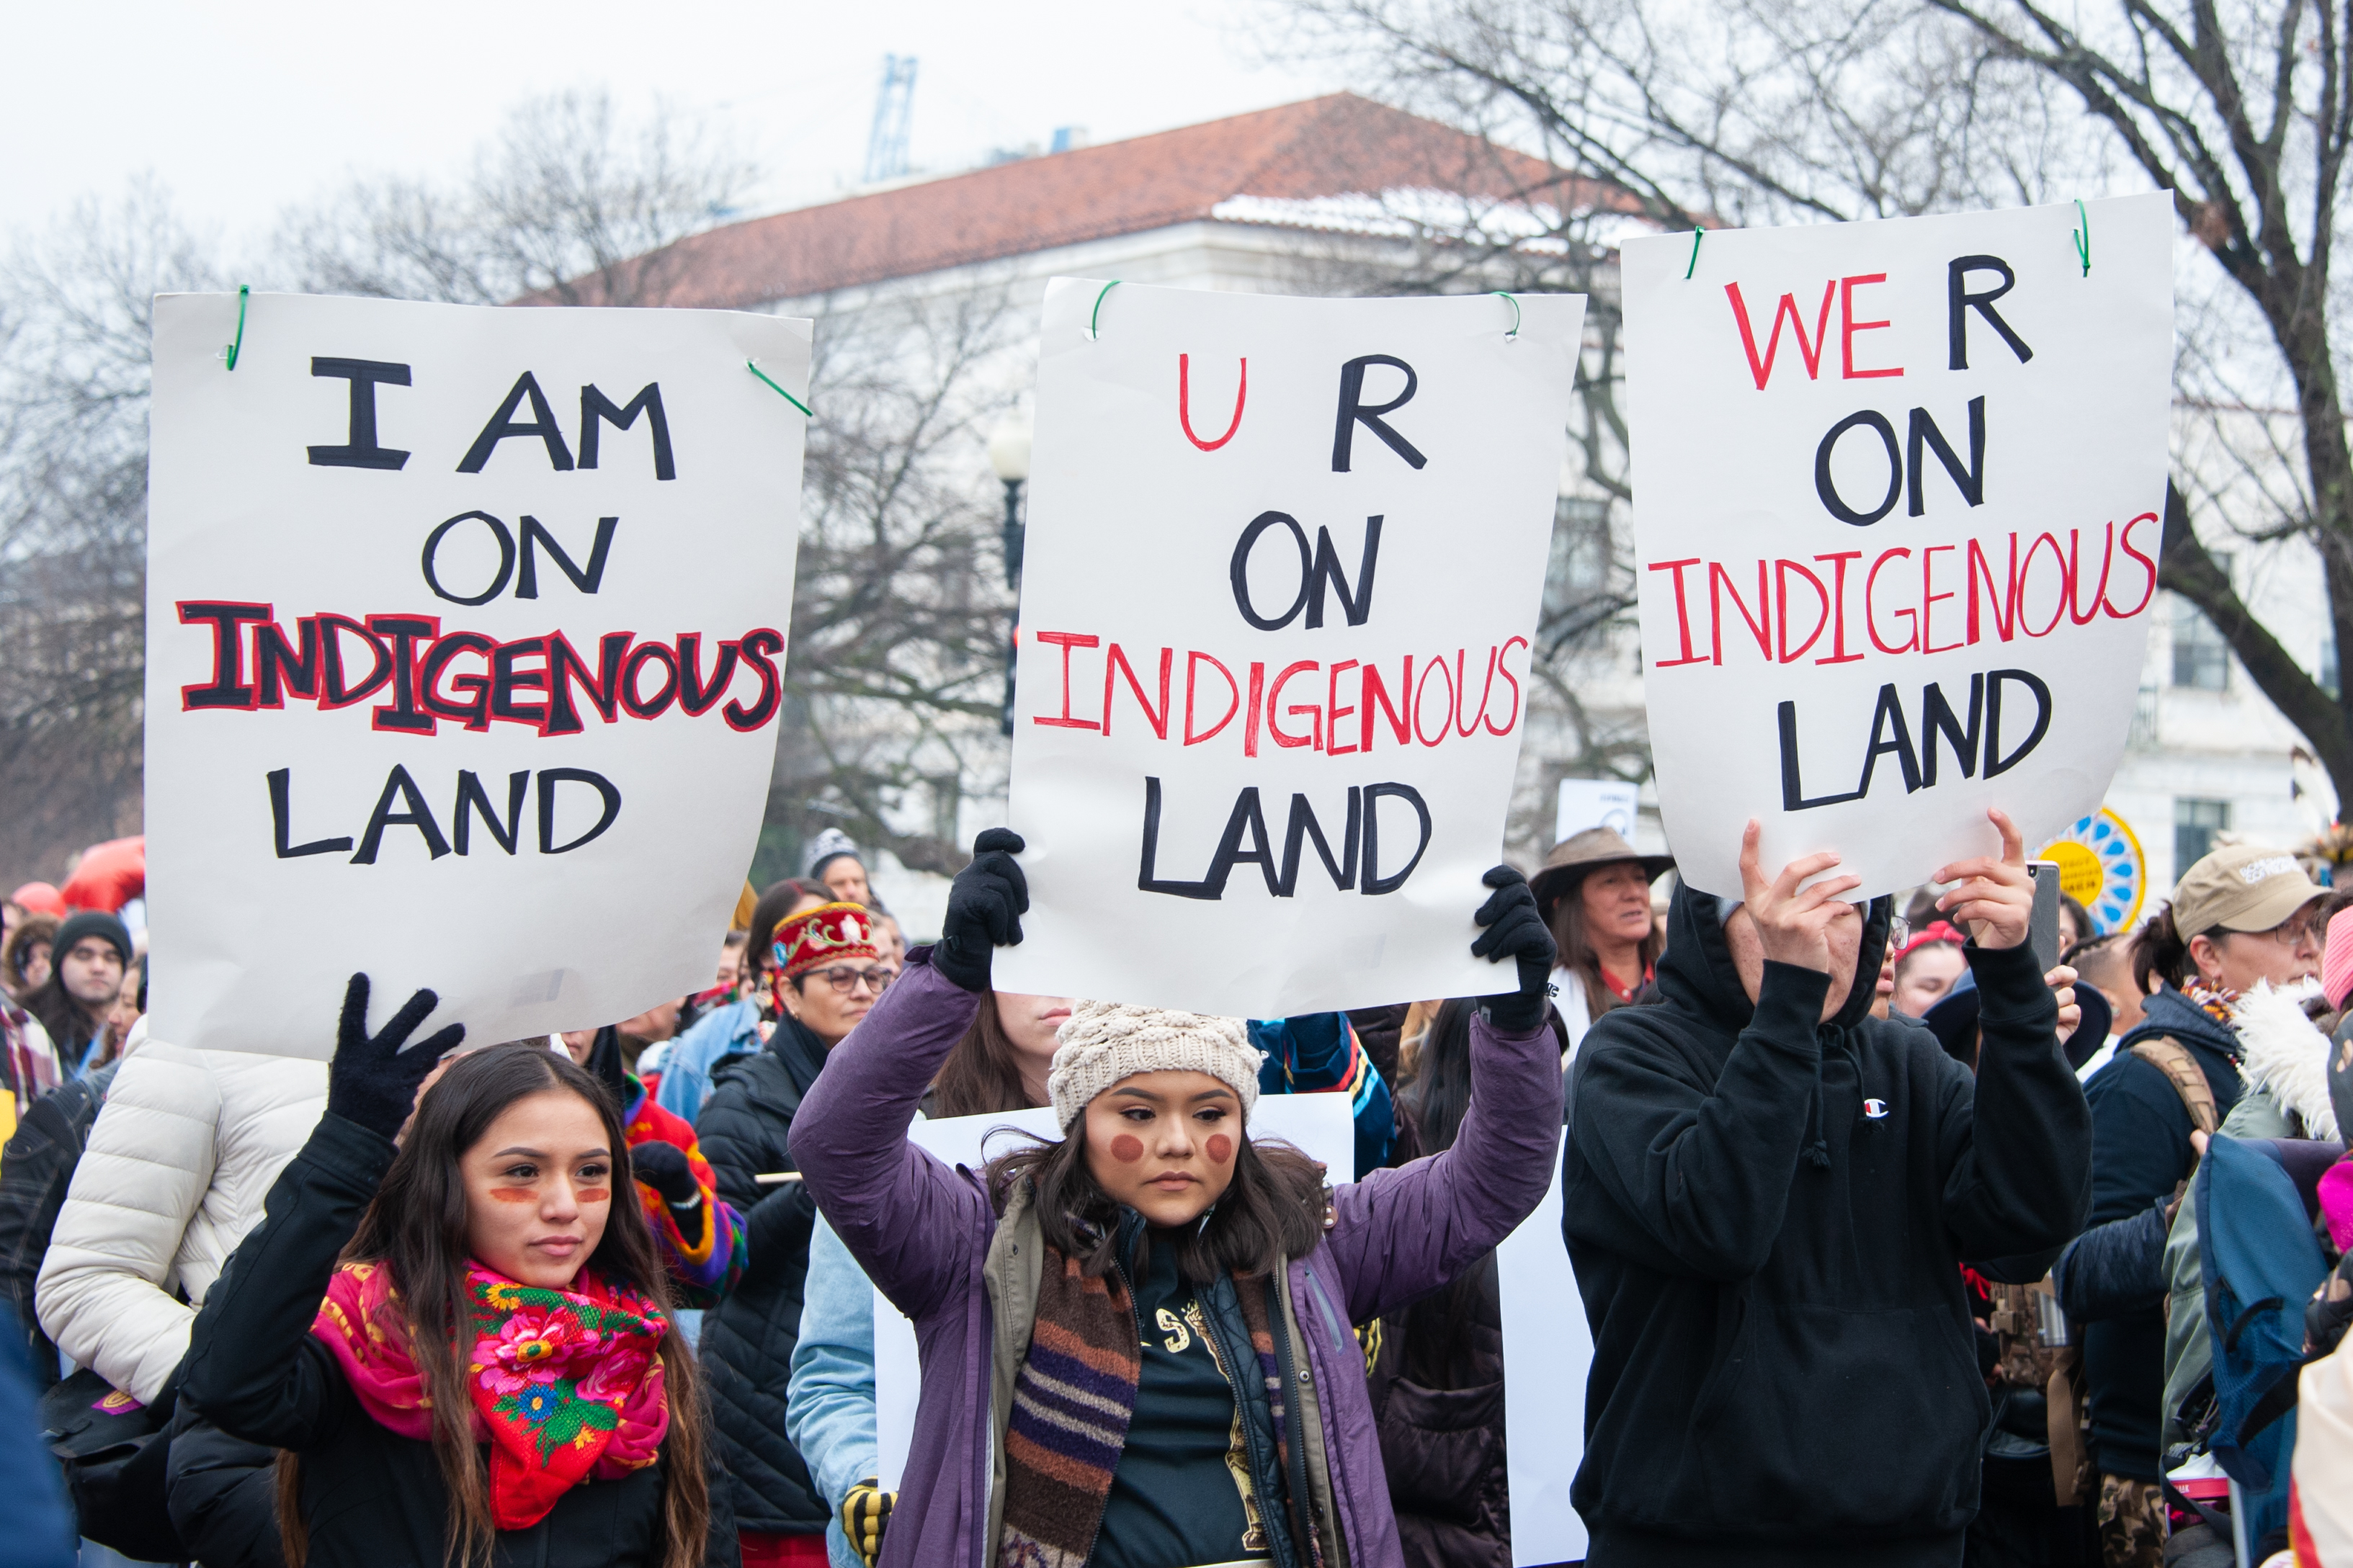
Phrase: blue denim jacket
[730,1031]
[830,1404]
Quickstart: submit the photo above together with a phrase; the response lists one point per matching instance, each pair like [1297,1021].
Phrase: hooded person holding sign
[1189,1291]
[1767,1194]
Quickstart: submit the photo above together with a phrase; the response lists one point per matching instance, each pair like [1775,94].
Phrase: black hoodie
[1768,1216]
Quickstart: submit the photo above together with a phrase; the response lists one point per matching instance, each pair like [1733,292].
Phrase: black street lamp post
[1008,454]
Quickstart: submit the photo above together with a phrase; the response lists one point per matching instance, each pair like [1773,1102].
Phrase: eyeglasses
[844,979]
[2293,932]
[1899,931]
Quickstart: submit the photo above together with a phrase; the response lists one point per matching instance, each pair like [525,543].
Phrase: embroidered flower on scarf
[534,1346]
[536,1403]
[615,1377]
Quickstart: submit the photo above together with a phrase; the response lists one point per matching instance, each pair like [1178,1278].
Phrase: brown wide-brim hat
[1581,853]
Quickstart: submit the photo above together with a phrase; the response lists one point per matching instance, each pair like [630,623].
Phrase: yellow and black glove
[864,1512]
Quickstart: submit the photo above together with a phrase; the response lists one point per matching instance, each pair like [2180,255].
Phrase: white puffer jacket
[178,1163]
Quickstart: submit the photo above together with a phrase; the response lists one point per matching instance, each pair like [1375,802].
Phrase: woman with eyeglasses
[825,973]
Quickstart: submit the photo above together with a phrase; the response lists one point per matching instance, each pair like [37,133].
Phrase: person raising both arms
[1767,1196]
[462,1344]
[1195,1287]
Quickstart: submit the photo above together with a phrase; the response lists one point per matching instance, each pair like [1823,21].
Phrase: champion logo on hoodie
[1875,1108]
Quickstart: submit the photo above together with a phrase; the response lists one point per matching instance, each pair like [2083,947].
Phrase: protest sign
[465,641]
[1547,1354]
[1318,1124]
[1899,490]
[1282,569]
[1612,804]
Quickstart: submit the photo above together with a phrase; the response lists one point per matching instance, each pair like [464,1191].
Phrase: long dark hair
[416,1227]
[71,1025]
[1576,949]
[1273,1210]
[982,1075]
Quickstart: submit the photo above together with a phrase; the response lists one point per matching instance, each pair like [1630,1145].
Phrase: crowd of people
[1896,1244]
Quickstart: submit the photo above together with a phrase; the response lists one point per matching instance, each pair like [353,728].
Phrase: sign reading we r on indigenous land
[1281,581]
[1899,492]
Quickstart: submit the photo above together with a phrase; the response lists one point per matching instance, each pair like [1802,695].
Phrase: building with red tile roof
[1339,164]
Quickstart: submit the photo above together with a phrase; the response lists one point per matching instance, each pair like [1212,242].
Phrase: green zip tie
[1514,335]
[754,366]
[2083,239]
[1697,234]
[1095,322]
[243,289]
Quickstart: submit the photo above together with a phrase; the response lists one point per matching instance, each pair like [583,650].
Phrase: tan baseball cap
[2245,886]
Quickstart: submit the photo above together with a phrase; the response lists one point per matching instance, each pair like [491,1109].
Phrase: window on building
[2201,660]
[2195,823]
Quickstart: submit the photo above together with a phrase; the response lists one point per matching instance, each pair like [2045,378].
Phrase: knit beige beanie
[1105,1042]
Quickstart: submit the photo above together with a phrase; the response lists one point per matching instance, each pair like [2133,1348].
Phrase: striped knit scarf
[1072,1404]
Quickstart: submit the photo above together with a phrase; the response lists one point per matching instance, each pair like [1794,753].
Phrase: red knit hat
[826,934]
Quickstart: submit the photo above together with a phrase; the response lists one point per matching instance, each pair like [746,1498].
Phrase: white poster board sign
[1899,490]
[465,643]
[1282,568]
[1596,803]
[1318,1124]
[1548,1354]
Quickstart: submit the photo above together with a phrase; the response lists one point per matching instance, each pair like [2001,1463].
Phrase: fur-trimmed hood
[2285,1056]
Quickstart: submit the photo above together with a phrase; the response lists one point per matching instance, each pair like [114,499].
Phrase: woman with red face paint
[461,1345]
[1136,1340]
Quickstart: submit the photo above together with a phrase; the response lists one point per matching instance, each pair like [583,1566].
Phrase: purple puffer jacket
[923,1233]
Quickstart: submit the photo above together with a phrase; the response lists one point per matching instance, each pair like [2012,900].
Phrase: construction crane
[886,144]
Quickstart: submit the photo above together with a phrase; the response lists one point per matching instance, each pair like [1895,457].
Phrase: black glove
[1514,930]
[663,1167]
[985,909]
[865,1511]
[372,1082]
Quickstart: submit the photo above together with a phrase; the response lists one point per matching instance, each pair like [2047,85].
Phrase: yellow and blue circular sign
[2103,868]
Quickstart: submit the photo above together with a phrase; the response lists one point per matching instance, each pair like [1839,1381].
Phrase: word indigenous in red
[1923,599]
[468,679]
[1348,706]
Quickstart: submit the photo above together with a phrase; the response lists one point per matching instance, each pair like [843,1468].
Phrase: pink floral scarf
[565,1384]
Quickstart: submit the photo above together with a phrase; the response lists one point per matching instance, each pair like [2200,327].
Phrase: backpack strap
[2172,1059]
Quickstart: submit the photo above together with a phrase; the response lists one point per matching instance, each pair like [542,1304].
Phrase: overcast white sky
[242,108]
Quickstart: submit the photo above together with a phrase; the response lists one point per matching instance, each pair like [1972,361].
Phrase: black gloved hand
[371,1081]
[1514,930]
[985,909]
[663,1167]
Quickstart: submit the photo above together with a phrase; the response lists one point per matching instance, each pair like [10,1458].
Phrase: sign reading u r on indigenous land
[1899,492]
[1281,577]
[464,647]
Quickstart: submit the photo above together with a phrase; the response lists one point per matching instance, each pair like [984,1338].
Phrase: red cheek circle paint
[1127,1148]
[1221,1147]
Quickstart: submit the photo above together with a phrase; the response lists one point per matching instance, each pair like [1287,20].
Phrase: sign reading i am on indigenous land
[1899,492]
[465,644]
[1281,575]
